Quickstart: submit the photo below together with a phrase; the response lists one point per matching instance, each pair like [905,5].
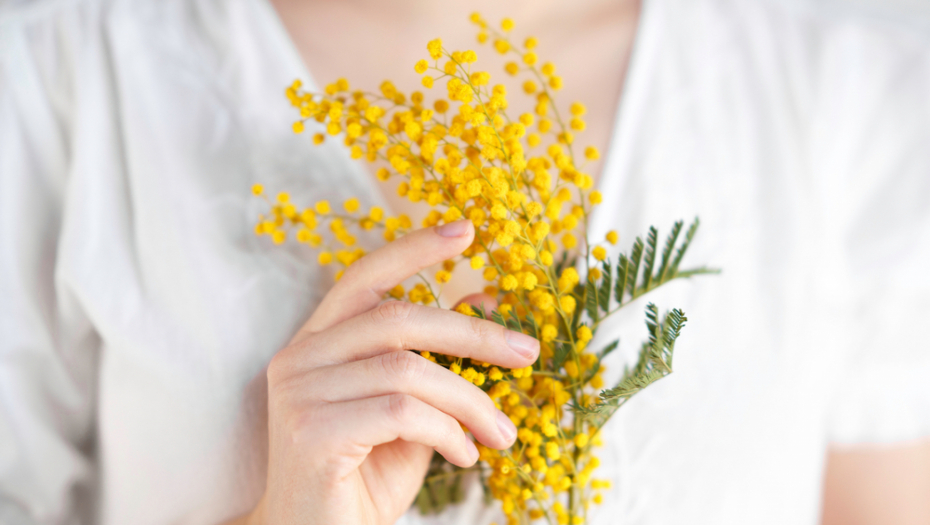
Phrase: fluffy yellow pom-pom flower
[581,440]
[569,241]
[435,48]
[351,205]
[528,281]
[612,237]
[583,334]
[509,282]
[549,332]
[567,303]
[599,253]
[545,257]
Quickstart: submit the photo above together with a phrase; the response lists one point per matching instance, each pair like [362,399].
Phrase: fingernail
[523,344]
[508,430]
[453,229]
[472,450]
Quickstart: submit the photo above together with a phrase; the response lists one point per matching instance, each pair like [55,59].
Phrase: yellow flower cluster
[551,460]
[341,246]
[518,181]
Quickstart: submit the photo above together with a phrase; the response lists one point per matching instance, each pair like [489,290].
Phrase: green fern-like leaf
[654,363]
[623,278]
[562,351]
[649,258]
[670,242]
[680,254]
[604,352]
[590,299]
[608,349]
[530,325]
[479,311]
[636,258]
[604,289]
[632,385]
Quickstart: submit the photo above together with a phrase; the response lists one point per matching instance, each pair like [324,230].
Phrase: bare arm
[887,485]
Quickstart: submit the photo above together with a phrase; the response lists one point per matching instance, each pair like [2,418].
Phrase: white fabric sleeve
[47,346]
[879,156]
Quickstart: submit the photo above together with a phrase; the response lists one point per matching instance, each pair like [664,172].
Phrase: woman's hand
[354,416]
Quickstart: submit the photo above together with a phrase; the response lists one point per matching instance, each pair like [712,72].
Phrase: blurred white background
[915,13]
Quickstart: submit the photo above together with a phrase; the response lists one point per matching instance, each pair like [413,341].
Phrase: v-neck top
[138,310]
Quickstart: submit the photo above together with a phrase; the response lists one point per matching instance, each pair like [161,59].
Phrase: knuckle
[301,426]
[399,407]
[284,364]
[294,421]
[284,401]
[451,429]
[393,311]
[403,367]
[485,332]
[277,368]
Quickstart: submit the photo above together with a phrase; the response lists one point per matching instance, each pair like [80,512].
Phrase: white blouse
[138,310]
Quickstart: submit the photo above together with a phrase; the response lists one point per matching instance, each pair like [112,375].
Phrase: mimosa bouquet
[519,180]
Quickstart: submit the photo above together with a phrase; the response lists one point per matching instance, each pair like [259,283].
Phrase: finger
[365,282]
[408,373]
[373,421]
[395,325]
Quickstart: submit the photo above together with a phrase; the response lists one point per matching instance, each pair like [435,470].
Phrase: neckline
[609,181]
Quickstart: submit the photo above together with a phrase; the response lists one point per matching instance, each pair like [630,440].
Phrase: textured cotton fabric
[138,310]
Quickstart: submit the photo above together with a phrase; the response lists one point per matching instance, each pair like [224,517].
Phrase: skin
[878,484]
[353,417]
